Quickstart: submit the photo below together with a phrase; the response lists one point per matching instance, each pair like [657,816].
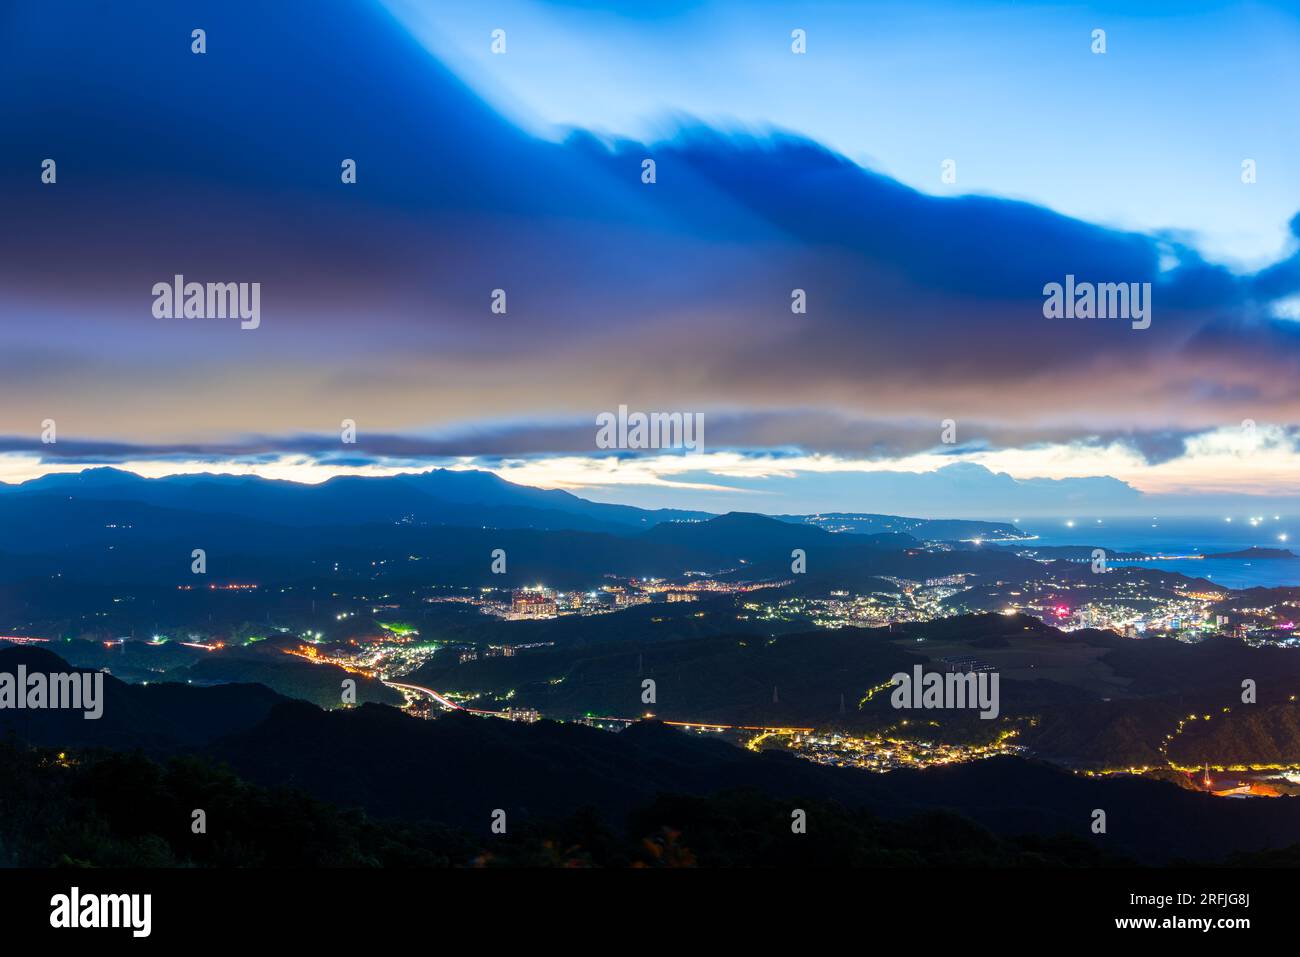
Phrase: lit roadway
[445,702]
[703,726]
[449,705]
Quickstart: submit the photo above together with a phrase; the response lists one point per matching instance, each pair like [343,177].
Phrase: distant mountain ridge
[108,526]
[464,498]
[438,497]
[925,529]
[1256,551]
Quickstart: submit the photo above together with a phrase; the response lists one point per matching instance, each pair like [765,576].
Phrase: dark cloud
[666,297]
[777,434]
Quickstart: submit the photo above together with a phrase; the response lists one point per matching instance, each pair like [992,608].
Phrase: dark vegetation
[447,776]
[127,810]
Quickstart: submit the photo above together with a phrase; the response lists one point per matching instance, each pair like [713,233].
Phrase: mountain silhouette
[153,717]
[440,496]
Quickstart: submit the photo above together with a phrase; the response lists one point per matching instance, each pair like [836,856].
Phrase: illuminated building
[533,604]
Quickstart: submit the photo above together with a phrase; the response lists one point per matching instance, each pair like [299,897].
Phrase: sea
[1172,538]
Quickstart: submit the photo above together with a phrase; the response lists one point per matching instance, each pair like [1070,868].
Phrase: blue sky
[1149,135]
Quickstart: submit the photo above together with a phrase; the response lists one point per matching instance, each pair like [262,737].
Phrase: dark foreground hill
[460,769]
[194,705]
[155,717]
[126,810]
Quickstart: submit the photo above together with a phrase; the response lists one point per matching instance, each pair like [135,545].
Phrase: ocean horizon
[1189,536]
